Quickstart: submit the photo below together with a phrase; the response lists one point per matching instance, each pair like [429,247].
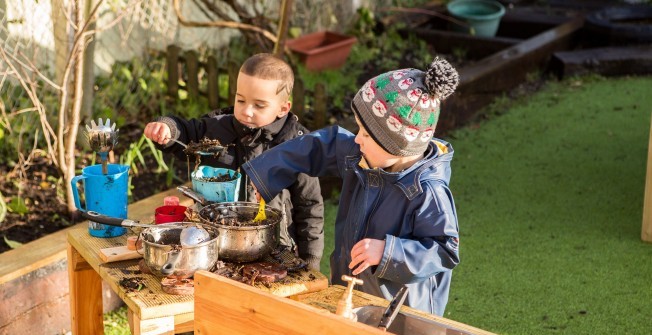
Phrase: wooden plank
[172,66]
[502,71]
[610,61]
[319,106]
[299,99]
[646,230]
[224,306]
[85,298]
[328,298]
[232,69]
[158,326]
[474,47]
[213,88]
[120,253]
[33,255]
[192,73]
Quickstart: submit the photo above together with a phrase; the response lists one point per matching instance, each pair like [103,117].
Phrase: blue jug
[105,194]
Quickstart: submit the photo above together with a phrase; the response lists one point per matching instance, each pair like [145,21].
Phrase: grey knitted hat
[400,108]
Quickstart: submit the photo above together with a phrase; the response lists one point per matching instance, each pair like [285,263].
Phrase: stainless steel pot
[241,240]
[165,256]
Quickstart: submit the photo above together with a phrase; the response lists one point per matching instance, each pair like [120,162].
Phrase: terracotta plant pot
[322,50]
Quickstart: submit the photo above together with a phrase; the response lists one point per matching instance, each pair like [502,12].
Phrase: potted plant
[482,16]
[322,50]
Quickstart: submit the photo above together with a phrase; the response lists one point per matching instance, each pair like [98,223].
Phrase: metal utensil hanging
[102,137]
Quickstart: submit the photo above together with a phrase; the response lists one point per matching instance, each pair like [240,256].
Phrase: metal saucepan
[240,239]
[164,255]
[191,233]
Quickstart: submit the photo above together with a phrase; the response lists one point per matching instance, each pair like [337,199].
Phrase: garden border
[34,278]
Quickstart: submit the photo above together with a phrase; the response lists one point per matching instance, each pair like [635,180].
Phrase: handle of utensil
[192,195]
[108,220]
[393,308]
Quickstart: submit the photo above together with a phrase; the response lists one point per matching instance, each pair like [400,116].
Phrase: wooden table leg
[85,295]
[646,229]
[157,326]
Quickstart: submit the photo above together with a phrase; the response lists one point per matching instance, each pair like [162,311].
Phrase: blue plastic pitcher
[105,194]
[226,191]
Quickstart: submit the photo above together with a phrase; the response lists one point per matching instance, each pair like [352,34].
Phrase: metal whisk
[102,137]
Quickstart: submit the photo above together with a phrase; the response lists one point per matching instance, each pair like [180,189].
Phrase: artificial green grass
[549,198]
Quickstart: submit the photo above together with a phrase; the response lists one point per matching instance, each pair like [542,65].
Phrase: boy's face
[373,153]
[258,102]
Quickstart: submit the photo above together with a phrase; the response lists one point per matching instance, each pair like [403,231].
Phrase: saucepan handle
[108,220]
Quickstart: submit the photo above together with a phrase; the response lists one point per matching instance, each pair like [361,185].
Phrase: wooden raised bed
[524,44]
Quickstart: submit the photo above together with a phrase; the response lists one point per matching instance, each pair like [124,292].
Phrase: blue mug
[105,194]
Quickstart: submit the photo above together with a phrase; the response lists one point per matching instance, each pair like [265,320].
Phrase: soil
[45,212]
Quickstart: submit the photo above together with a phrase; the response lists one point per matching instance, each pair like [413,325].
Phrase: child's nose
[357,139]
[249,111]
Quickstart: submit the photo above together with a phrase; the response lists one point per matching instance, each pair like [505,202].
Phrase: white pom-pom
[441,79]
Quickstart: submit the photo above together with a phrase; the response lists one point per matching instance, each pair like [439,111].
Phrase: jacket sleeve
[319,153]
[308,217]
[431,246]
[211,125]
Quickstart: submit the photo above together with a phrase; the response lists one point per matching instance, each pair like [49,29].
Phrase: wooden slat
[121,253]
[85,298]
[610,61]
[224,306]
[328,298]
[213,87]
[646,230]
[299,99]
[320,106]
[192,72]
[233,70]
[172,66]
[33,255]
[158,326]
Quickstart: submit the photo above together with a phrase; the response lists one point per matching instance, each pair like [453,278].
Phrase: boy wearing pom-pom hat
[396,224]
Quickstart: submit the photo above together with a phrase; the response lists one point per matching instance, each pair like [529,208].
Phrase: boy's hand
[158,132]
[366,253]
[256,193]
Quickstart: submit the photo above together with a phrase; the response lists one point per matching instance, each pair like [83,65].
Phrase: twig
[224,24]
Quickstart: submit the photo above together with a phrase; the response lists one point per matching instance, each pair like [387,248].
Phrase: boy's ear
[285,108]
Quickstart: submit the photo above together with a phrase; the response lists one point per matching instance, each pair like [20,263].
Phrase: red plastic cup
[165,214]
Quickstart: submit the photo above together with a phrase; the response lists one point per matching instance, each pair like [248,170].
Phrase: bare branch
[224,24]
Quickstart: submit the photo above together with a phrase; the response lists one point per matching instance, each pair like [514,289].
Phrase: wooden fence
[309,106]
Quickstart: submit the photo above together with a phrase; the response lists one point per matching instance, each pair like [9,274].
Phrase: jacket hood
[434,166]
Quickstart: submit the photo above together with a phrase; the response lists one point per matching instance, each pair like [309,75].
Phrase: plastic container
[481,15]
[226,191]
[105,194]
[169,213]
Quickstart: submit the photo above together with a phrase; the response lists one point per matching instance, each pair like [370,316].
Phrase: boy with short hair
[397,223]
[259,120]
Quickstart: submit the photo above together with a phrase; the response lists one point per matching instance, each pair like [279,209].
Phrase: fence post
[213,87]
[320,106]
[172,59]
[192,69]
[233,70]
[298,99]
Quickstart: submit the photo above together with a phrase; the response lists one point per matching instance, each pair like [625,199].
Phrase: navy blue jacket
[412,210]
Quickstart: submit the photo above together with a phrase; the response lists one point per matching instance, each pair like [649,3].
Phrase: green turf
[549,198]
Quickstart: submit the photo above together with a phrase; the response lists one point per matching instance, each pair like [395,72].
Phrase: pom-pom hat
[400,108]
